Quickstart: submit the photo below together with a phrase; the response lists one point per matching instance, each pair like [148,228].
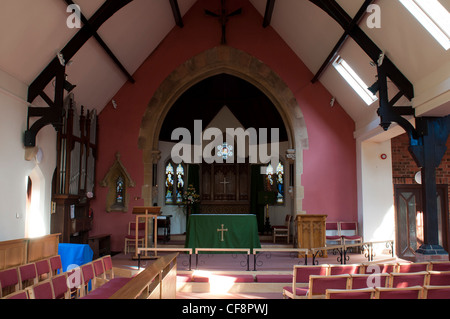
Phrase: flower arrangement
[190,196]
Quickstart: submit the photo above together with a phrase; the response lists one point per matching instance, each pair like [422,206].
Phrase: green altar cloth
[222,231]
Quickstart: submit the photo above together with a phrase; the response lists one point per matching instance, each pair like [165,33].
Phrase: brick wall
[404,168]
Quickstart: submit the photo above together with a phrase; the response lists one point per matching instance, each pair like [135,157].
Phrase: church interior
[224,149]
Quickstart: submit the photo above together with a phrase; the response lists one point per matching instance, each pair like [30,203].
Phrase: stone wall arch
[218,60]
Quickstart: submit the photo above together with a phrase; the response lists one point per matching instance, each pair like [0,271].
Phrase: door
[409,219]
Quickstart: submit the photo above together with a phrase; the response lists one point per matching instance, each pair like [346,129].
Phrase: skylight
[354,80]
[433,16]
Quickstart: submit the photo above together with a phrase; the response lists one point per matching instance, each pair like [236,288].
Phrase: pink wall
[329,174]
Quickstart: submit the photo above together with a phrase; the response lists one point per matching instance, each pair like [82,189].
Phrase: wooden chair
[412,267]
[21,294]
[42,290]
[349,232]
[108,266]
[87,279]
[333,233]
[74,282]
[130,238]
[362,281]
[282,230]
[399,293]
[9,281]
[379,268]
[56,265]
[438,278]
[439,266]
[300,279]
[43,269]
[344,269]
[27,275]
[436,292]
[99,272]
[60,288]
[366,293]
[404,280]
[318,285]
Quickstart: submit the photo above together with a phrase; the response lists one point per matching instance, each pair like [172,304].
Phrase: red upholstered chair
[318,285]
[404,280]
[362,281]
[300,280]
[42,290]
[108,266]
[27,275]
[21,294]
[74,282]
[60,288]
[379,268]
[43,269]
[332,233]
[130,238]
[9,281]
[282,230]
[344,269]
[440,266]
[436,292]
[399,293]
[412,267]
[366,293]
[439,278]
[99,272]
[349,232]
[87,275]
[56,265]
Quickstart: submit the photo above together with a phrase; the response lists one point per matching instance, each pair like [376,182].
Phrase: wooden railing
[157,281]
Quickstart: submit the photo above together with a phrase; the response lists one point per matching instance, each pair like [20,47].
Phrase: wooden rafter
[105,46]
[107,10]
[176,13]
[269,12]
[332,8]
[342,40]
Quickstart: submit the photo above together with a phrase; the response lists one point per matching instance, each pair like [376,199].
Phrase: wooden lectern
[311,231]
[146,213]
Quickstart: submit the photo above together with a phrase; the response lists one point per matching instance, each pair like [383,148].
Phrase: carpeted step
[274,278]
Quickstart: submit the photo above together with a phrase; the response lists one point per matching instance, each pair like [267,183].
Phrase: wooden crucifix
[223,18]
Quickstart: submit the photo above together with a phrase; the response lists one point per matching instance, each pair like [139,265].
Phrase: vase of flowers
[190,198]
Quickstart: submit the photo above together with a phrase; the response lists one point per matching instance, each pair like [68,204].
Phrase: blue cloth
[74,254]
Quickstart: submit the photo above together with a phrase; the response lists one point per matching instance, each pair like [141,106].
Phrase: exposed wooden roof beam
[268,14]
[176,13]
[342,40]
[332,8]
[105,47]
[107,10]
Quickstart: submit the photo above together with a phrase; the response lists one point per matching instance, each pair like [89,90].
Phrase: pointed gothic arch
[228,60]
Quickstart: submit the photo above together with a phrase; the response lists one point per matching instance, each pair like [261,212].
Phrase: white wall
[14,168]
[375,191]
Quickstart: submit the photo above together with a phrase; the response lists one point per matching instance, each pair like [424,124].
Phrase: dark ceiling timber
[342,40]
[105,46]
[269,12]
[176,13]
[106,11]
[332,8]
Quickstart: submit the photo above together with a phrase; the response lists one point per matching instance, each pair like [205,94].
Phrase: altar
[222,231]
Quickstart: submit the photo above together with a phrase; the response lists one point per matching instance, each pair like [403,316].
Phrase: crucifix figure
[222,230]
[223,18]
[224,184]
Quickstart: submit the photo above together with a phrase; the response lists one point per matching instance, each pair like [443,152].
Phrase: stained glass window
[225,151]
[120,190]
[274,181]
[175,181]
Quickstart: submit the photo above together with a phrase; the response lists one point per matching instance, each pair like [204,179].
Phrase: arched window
[274,181]
[120,191]
[175,182]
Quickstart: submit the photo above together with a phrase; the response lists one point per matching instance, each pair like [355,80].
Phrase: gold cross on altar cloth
[224,185]
[222,230]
